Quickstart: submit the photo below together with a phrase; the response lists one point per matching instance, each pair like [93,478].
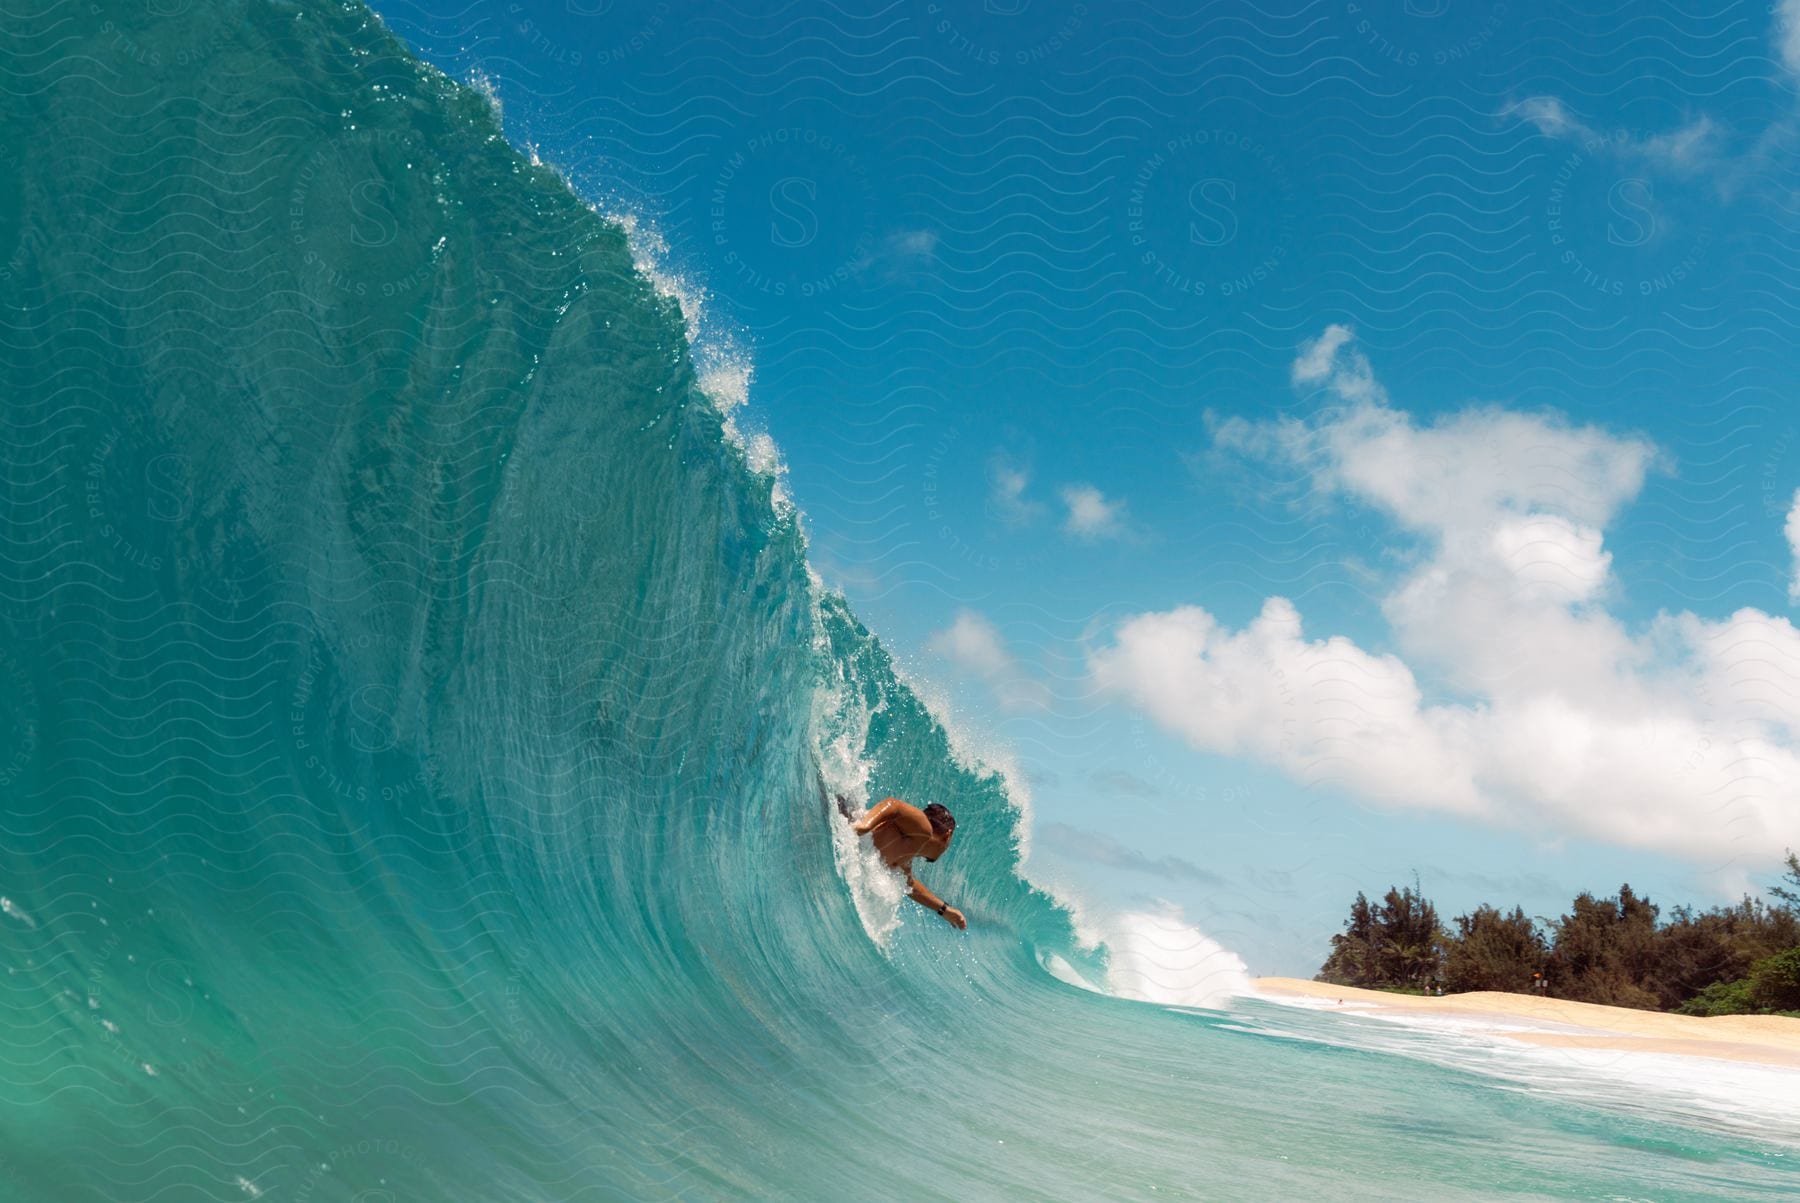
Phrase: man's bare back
[902,832]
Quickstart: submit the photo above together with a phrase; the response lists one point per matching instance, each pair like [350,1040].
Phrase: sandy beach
[1768,1040]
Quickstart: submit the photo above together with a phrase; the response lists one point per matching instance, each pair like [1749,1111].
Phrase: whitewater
[419,726]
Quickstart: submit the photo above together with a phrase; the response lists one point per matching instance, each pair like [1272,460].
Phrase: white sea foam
[723,367]
[840,730]
[764,458]
[1152,956]
[15,911]
[1061,970]
[1157,956]
[1729,1096]
[483,84]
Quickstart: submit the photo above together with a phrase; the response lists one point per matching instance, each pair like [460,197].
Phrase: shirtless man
[903,831]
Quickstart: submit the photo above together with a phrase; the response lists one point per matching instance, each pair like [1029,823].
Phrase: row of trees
[1619,951]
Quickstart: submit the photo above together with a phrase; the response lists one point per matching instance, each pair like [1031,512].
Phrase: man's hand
[955,919]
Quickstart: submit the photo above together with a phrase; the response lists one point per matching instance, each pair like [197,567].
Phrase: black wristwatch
[942,907]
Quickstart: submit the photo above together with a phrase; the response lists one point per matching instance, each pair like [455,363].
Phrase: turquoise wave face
[417,725]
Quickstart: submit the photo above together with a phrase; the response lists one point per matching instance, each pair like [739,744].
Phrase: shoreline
[1771,1041]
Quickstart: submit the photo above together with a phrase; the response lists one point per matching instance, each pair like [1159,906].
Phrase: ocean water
[417,718]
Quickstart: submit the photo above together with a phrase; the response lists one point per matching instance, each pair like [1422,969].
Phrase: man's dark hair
[942,821]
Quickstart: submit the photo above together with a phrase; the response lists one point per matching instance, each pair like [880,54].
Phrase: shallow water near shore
[417,716]
[1743,1098]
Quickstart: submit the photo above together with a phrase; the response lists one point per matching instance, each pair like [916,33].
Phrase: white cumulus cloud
[1462,474]
[1684,148]
[1092,515]
[1792,530]
[1787,34]
[1007,483]
[975,647]
[1322,710]
[1331,360]
[1549,114]
[1540,709]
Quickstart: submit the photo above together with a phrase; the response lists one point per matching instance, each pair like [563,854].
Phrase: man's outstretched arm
[932,902]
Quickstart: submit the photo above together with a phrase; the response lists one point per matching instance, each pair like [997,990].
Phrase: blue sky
[1313,444]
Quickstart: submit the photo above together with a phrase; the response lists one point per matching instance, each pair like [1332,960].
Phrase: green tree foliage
[1493,950]
[1412,949]
[1730,960]
[1397,943]
[1602,951]
[1720,998]
[1775,981]
[1696,949]
[1789,895]
[1352,958]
